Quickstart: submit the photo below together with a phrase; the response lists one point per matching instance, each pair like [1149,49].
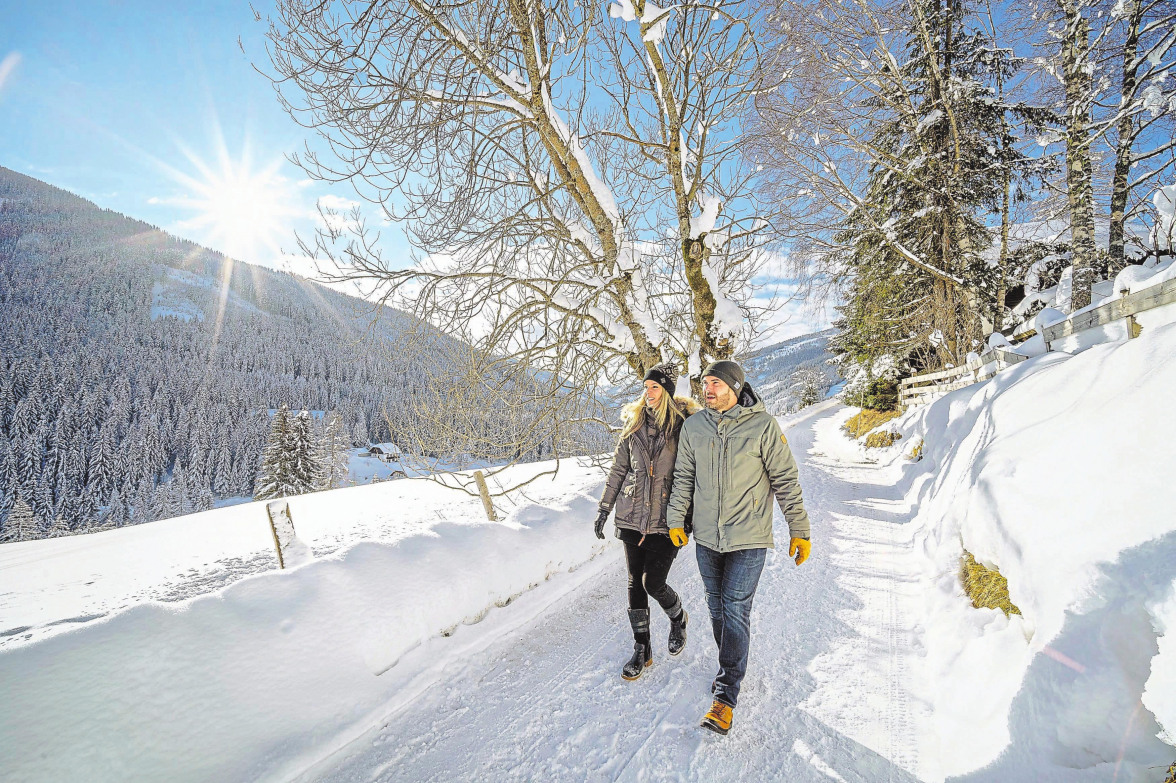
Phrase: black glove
[601,518]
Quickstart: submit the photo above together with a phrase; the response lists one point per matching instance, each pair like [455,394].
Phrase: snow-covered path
[829,694]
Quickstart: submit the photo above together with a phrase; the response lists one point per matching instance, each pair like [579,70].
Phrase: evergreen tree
[59,529]
[140,506]
[305,473]
[946,149]
[21,524]
[331,453]
[116,515]
[277,468]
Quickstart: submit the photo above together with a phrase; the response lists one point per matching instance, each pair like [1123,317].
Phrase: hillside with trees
[140,372]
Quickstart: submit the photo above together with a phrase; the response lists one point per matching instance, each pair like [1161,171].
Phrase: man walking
[732,458]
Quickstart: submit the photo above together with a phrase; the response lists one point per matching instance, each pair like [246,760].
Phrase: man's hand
[678,536]
[799,548]
[601,518]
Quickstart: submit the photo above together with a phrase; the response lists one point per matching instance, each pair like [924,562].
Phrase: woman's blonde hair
[666,413]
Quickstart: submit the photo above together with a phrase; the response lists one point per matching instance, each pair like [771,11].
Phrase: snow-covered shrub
[873,385]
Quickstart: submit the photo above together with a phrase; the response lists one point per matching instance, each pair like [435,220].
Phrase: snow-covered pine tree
[222,475]
[808,384]
[305,474]
[943,146]
[21,524]
[140,504]
[276,477]
[116,514]
[330,452]
[59,529]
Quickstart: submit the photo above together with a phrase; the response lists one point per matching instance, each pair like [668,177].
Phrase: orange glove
[678,536]
[799,548]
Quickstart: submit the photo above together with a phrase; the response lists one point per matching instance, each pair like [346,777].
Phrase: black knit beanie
[728,372]
[665,374]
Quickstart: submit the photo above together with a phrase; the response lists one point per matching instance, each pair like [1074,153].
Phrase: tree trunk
[1079,177]
[1002,264]
[945,320]
[1120,181]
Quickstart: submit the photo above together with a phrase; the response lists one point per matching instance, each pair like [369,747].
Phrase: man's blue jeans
[730,580]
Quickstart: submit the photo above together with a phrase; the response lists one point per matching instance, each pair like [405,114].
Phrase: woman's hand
[678,536]
[601,518]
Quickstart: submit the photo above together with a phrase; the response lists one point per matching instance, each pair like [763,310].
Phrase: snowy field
[426,644]
[54,585]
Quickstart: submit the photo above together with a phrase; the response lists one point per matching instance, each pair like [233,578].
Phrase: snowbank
[1055,472]
[225,686]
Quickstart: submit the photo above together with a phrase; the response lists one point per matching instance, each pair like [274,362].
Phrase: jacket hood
[631,411]
[749,399]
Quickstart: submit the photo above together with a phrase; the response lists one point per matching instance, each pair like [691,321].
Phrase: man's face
[717,394]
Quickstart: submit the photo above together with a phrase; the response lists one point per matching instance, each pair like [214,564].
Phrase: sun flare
[244,211]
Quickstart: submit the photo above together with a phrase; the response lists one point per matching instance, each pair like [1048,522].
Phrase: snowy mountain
[139,371]
[771,370]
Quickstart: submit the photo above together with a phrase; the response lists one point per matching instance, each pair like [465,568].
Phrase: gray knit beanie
[728,372]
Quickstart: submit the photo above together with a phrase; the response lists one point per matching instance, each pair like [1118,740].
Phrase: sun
[245,211]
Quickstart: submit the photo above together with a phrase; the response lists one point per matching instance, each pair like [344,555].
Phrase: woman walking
[639,486]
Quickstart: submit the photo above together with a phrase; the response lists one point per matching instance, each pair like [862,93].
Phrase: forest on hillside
[140,372]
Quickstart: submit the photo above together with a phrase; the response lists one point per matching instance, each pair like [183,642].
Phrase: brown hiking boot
[717,718]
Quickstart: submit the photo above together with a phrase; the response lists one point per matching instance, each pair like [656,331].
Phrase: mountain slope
[771,370]
[139,369]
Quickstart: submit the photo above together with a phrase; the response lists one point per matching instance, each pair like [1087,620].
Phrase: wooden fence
[922,389]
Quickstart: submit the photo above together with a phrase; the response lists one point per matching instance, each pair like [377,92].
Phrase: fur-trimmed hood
[687,405]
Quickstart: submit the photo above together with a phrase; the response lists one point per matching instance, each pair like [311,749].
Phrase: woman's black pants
[647,577]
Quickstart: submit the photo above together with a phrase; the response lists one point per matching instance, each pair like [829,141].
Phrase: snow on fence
[925,388]
[922,389]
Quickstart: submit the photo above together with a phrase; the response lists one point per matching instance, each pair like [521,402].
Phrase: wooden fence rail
[922,389]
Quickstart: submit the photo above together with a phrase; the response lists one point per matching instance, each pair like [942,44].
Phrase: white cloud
[7,66]
[337,203]
[800,312]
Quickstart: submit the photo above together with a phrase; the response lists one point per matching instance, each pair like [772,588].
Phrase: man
[732,458]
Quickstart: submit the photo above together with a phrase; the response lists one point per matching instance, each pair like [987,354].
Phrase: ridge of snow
[1050,473]
[225,685]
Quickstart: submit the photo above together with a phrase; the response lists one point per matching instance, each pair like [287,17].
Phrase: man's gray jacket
[731,464]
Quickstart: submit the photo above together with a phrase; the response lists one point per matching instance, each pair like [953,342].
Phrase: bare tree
[574,182]
[1145,110]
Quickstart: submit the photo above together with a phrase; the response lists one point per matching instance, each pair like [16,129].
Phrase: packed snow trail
[827,694]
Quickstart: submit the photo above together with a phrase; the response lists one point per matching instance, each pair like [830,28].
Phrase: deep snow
[419,649]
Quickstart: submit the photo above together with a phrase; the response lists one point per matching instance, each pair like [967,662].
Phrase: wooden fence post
[274,510]
[484,491]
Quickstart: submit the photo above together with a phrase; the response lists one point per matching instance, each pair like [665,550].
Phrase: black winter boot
[642,650]
[678,633]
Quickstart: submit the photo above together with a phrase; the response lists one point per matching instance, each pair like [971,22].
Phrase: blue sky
[153,110]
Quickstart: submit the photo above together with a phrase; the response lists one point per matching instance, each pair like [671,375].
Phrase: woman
[639,485]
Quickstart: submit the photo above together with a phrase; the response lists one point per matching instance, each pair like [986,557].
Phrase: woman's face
[653,393]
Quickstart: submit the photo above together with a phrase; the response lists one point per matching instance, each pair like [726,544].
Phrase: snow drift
[229,685]
[1057,473]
